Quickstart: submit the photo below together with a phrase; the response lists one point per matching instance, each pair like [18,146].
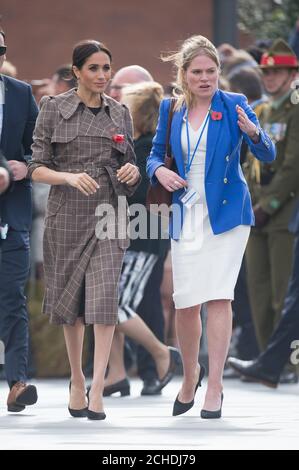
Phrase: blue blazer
[227,194]
[19,116]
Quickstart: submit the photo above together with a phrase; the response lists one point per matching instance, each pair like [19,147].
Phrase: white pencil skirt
[206,266]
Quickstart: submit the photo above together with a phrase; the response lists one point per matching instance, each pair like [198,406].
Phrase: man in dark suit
[284,341]
[5,181]
[4,176]
[18,112]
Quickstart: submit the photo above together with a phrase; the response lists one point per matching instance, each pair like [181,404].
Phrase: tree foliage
[268,19]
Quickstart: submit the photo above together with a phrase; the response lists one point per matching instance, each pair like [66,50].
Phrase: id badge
[189,198]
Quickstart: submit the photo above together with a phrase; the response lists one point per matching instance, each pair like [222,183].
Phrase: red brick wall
[41,33]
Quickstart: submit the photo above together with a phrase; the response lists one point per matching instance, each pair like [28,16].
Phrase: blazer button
[225,180]
[224,201]
[227,158]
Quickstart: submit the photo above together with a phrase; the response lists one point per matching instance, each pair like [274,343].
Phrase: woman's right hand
[169,179]
[82,181]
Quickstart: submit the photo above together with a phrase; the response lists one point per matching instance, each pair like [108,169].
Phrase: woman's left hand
[128,174]
[245,124]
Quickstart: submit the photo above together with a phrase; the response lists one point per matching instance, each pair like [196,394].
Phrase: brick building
[41,33]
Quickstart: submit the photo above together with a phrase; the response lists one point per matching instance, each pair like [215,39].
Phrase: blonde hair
[143,100]
[191,48]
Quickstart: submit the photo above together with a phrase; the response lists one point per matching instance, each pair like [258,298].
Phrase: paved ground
[254,417]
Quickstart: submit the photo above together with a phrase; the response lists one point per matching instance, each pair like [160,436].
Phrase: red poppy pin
[118,138]
[216,115]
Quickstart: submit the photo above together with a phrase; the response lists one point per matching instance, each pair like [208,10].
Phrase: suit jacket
[227,194]
[20,112]
[3,164]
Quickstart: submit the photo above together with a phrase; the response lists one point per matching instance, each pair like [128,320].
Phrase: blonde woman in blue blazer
[212,211]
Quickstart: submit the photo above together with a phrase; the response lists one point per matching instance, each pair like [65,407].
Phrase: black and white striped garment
[136,270]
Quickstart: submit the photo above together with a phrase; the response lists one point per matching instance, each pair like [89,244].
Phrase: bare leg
[103,335]
[74,336]
[188,327]
[219,329]
[117,369]
[167,302]
[136,329]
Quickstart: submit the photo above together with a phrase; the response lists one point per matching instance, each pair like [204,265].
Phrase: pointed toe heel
[206,414]
[81,413]
[78,413]
[179,407]
[95,416]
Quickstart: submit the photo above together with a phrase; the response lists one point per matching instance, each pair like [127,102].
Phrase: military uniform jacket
[279,182]
[68,137]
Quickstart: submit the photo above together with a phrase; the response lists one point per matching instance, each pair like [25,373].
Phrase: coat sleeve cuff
[153,178]
[264,141]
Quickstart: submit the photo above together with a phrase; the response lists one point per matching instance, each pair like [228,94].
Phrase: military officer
[274,188]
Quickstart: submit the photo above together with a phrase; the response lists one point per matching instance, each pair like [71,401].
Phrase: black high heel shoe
[82,413]
[94,415]
[122,386]
[174,362]
[206,414]
[179,407]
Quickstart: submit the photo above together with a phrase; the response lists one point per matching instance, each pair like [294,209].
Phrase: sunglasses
[2,50]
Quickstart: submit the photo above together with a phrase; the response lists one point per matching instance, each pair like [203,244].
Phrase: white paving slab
[254,417]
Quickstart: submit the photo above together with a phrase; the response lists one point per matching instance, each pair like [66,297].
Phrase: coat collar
[69,102]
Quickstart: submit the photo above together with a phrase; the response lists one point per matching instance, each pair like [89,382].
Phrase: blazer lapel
[7,109]
[175,140]
[214,129]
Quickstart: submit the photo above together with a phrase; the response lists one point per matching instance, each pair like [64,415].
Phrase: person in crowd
[273,190]
[150,308]
[63,80]
[236,62]
[40,88]
[225,51]
[247,81]
[128,76]
[294,38]
[283,343]
[16,137]
[83,148]
[143,101]
[5,176]
[211,210]
[9,69]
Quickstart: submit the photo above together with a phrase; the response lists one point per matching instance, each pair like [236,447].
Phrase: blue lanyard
[190,160]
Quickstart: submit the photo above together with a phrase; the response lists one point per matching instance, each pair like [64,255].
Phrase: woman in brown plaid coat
[83,148]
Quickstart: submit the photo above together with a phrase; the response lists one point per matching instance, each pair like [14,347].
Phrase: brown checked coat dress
[68,137]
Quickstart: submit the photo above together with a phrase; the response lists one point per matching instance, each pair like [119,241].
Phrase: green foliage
[268,19]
